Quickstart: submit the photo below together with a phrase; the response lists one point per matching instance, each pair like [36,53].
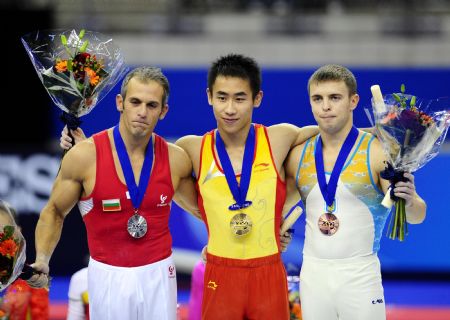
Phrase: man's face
[233,103]
[332,105]
[142,107]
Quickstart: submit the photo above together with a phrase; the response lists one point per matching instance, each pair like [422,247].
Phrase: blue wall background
[286,100]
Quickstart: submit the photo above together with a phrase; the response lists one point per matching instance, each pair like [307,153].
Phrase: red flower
[8,248]
[80,58]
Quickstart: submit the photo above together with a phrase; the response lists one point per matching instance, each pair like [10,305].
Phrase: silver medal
[137,226]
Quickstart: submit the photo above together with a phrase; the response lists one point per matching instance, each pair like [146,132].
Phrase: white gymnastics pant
[344,289]
[134,293]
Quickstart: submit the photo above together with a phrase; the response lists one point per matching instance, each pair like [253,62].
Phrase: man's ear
[209,96]
[354,99]
[164,111]
[258,99]
[119,103]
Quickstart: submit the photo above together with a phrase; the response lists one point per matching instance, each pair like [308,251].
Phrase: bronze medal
[328,224]
[241,224]
[137,226]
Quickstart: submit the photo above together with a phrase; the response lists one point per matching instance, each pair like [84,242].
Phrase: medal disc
[241,224]
[328,224]
[137,226]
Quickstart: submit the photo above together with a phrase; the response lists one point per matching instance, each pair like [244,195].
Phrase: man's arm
[304,133]
[65,193]
[415,205]
[186,197]
[292,195]
[283,137]
[185,192]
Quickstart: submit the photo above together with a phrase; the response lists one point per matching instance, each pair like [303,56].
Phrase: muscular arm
[186,197]
[292,195]
[283,137]
[66,191]
[185,192]
[415,205]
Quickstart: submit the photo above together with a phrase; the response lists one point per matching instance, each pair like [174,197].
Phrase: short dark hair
[334,72]
[147,74]
[238,66]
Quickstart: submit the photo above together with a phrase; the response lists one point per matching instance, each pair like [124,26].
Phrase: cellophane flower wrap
[411,131]
[12,251]
[76,68]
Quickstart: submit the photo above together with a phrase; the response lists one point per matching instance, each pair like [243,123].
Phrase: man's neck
[235,140]
[134,144]
[334,139]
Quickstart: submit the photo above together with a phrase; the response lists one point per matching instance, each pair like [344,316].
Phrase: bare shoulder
[282,136]
[191,143]
[79,158]
[377,156]
[281,129]
[293,160]
[177,153]
[180,163]
[291,134]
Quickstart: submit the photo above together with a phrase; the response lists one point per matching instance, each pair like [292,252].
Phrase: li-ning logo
[171,272]
[262,164]
[261,167]
[163,201]
[377,301]
[212,285]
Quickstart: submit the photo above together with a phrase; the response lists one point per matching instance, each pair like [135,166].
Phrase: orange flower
[8,248]
[390,116]
[61,66]
[93,77]
[297,310]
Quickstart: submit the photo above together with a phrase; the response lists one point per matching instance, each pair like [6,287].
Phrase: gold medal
[241,224]
[328,224]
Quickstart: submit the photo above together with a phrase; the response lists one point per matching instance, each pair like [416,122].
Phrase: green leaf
[63,40]
[9,231]
[69,65]
[402,88]
[84,46]
[81,35]
[397,97]
[412,103]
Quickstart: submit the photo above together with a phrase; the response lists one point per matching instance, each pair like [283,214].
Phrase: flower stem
[399,229]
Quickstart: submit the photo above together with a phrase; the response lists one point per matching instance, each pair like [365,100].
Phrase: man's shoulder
[282,133]
[83,150]
[283,128]
[80,156]
[190,143]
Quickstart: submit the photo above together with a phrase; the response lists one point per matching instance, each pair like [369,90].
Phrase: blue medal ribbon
[136,192]
[329,190]
[239,191]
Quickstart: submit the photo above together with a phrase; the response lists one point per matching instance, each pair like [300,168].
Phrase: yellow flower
[61,66]
[93,77]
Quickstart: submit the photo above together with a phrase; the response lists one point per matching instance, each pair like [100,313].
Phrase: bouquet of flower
[12,254]
[15,303]
[24,302]
[76,69]
[411,132]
